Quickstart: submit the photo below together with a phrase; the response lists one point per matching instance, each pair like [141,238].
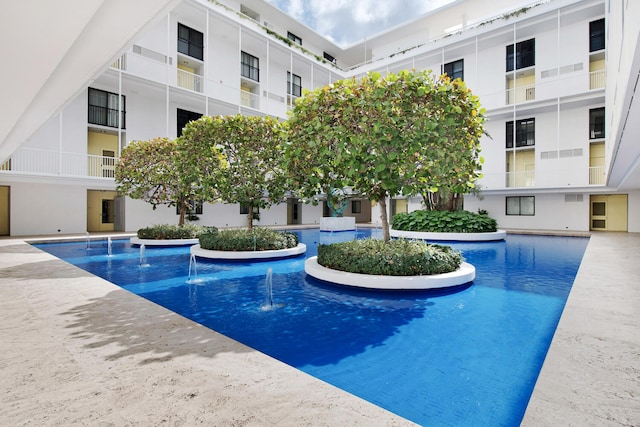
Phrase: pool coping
[65,358]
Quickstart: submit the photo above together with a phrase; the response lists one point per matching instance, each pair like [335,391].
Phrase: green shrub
[394,258]
[444,222]
[167,231]
[243,239]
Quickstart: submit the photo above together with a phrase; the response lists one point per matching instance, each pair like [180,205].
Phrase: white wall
[551,212]
[38,209]
[633,225]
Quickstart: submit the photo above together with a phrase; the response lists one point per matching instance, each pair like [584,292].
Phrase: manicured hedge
[167,231]
[243,239]
[394,258]
[444,222]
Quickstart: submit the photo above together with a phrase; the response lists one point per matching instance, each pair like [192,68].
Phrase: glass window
[103,108]
[356,206]
[455,69]
[183,117]
[596,123]
[194,208]
[190,42]
[294,38]
[328,57]
[521,55]
[596,35]
[521,205]
[294,84]
[250,66]
[525,133]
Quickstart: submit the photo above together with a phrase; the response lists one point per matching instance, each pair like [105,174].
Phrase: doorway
[294,211]
[101,210]
[4,211]
[608,212]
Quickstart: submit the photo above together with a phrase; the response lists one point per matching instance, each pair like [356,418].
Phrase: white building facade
[540,71]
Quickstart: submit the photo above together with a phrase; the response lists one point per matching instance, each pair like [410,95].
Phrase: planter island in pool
[162,242]
[451,237]
[465,274]
[248,255]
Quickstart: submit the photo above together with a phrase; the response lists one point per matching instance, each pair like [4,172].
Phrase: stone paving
[76,349]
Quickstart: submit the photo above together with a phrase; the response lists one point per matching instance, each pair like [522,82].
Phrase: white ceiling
[52,50]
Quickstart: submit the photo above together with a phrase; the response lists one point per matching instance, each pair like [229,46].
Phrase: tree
[253,148]
[164,171]
[385,136]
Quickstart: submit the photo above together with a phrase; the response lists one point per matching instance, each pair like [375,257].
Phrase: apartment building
[543,72]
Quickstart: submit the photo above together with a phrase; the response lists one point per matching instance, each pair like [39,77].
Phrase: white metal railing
[597,79]
[521,94]
[49,162]
[520,179]
[249,99]
[189,80]
[597,175]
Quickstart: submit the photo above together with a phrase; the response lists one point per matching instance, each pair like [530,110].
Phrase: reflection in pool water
[465,356]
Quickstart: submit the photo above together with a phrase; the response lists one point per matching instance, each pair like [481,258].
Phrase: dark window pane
[183,117]
[596,123]
[596,35]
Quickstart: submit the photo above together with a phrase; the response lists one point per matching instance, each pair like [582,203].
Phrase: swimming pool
[467,356]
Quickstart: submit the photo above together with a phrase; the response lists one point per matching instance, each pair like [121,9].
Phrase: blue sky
[348,21]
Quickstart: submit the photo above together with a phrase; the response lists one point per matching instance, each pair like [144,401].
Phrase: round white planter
[465,274]
[248,255]
[162,242]
[345,223]
[453,237]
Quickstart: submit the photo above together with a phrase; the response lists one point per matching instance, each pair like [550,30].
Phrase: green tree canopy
[253,148]
[384,136]
[164,171]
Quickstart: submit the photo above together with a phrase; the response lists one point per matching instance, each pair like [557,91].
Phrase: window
[455,69]
[328,57]
[294,38]
[525,133]
[596,35]
[194,208]
[183,117]
[103,108]
[294,84]
[521,55]
[596,123]
[190,42]
[108,211]
[521,205]
[244,210]
[250,67]
[356,206]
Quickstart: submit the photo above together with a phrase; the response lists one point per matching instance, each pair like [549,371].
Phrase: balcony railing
[597,79]
[248,99]
[521,94]
[520,179]
[189,80]
[597,175]
[49,162]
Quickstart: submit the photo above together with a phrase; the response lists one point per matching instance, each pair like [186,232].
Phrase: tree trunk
[385,220]
[183,210]
[250,216]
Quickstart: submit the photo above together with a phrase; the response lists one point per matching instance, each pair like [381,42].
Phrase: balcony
[190,81]
[521,94]
[597,79]
[597,175]
[520,179]
[49,162]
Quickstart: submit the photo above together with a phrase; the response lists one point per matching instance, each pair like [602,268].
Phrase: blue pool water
[467,356]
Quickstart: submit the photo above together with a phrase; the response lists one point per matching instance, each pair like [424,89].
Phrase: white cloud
[349,21]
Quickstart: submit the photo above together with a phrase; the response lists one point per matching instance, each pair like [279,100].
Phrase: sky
[348,21]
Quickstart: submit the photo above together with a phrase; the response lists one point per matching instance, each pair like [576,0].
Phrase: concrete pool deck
[76,349]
